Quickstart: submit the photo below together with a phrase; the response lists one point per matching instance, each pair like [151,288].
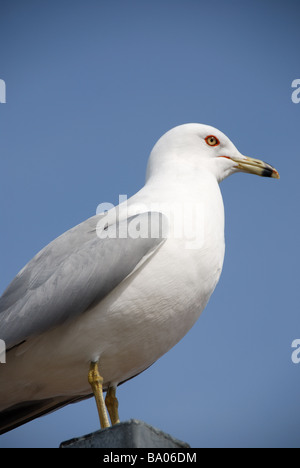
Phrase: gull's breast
[149,312]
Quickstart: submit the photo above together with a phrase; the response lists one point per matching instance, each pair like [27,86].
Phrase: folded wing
[76,271]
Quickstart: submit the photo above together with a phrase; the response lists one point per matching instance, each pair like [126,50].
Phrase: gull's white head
[202,148]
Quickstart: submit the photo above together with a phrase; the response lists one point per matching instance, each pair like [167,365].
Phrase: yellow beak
[255,166]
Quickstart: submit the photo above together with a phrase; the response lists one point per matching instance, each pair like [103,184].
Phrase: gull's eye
[211,140]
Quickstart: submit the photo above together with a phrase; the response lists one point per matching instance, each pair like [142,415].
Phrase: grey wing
[74,272]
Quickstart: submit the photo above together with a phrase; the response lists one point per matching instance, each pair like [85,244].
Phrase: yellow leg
[112,405]
[96,381]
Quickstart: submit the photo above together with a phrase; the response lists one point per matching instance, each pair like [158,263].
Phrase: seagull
[105,300]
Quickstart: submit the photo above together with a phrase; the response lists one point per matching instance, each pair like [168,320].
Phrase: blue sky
[91,85]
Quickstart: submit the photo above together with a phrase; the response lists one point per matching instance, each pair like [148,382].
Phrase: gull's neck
[183,183]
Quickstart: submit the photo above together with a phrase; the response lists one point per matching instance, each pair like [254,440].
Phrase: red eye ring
[212,140]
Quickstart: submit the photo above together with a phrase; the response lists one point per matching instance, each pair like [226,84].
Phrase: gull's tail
[26,411]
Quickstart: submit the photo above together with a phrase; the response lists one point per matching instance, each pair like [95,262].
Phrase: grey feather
[74,272]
